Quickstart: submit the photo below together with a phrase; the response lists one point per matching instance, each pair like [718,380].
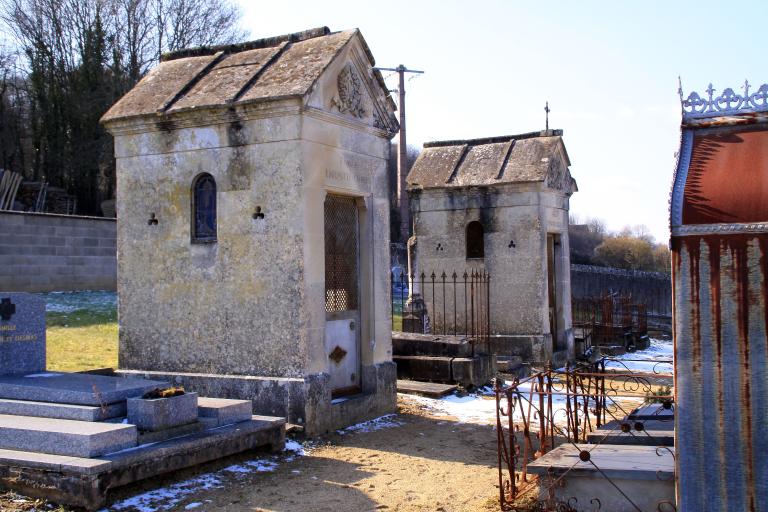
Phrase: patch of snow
[386,421]
[466,409]
[193,505]
[294,446]
[646,360]
[168,497]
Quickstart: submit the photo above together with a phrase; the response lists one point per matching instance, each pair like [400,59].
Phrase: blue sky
[608,69]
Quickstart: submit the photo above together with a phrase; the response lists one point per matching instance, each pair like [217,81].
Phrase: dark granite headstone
[22,333]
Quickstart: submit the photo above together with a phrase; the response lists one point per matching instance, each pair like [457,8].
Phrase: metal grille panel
[340,254]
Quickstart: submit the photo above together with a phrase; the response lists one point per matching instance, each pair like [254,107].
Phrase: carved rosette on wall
[350,97]
[559,179]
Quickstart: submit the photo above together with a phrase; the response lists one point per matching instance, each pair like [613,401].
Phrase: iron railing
[447,304]
[553,407]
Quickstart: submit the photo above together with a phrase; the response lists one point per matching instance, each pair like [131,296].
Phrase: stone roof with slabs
[528,157]
[270,69]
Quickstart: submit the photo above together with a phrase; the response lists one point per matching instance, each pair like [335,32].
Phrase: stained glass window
[204,209]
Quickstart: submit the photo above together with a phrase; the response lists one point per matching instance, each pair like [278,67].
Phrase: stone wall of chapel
[233,306]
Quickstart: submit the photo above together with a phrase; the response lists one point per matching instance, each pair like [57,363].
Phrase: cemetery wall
[651,288]
[44,252]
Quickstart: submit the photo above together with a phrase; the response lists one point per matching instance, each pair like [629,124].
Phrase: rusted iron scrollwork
[552,407]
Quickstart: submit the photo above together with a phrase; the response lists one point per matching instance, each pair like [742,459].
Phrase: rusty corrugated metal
[720,280]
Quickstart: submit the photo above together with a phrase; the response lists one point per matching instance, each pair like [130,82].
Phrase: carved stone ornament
[350,97]
[337,354]
[559,179]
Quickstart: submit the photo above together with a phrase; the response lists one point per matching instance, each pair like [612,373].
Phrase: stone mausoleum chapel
[253,240]
[500,205]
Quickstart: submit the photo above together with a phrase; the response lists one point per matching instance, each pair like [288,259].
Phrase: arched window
[475,241]
[204,209]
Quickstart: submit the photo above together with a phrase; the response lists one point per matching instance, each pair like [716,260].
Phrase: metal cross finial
[7,309]
[710,91]
[546,109]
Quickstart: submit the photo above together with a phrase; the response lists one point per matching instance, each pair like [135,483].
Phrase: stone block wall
[43,252]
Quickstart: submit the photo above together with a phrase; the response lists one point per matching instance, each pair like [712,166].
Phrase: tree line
[63,63]
[632,248]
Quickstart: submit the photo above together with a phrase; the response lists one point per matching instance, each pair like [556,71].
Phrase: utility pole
[546,109]
[402,160]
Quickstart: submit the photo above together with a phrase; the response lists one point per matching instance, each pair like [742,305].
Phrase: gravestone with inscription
[22,333]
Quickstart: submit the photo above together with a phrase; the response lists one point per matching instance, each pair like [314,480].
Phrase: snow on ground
[646,360]
[480,408]
[67,302]
[170,496]
[386,421]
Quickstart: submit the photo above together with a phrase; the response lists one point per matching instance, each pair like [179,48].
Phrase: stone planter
[162,413]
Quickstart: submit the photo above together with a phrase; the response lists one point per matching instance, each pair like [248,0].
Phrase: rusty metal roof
[728,176]
[528,157]
[722,172]
[266,69]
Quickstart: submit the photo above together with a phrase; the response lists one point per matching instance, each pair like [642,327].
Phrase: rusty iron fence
[551,407]
[455,304]
[609,320]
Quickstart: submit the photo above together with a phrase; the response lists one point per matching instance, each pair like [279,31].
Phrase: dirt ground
[427,463]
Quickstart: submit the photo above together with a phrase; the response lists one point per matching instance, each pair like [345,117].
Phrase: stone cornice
[720,229]
[205,116]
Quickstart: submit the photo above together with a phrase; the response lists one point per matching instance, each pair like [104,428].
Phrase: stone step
[428,389]
[633,437]
[414,344]
[61,411]
[64,437]
[215,412]
[467,371]
[75,388]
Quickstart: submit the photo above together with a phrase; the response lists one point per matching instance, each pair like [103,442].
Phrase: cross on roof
[546,109]
[7,309]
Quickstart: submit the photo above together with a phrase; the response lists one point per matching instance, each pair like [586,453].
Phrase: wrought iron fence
[554,407]
[610,319]
[441,303]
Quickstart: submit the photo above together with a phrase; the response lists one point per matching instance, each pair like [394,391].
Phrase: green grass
[397,322]
[81,340]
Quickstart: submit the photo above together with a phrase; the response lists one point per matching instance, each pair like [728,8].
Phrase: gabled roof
[528,157]
[266,69]
[722,172]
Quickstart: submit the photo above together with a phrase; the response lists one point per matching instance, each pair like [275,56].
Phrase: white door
[342,297]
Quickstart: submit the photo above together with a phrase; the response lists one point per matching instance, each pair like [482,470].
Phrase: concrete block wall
[43,252]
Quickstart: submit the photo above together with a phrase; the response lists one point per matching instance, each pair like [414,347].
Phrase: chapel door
[552,289]
[342,297]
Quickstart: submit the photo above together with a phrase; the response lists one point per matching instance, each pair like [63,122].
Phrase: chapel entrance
[342,285]
[553,246]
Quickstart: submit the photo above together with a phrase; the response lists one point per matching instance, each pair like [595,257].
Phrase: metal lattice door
[342,294]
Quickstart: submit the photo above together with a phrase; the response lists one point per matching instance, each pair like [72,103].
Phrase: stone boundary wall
[652,288]
[42,252]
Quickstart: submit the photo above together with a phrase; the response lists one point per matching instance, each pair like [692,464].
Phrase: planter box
[161,413]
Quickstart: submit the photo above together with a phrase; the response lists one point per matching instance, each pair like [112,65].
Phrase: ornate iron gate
[342,306]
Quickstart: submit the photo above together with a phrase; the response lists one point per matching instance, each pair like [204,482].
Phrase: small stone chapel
[253,226]
[500,205]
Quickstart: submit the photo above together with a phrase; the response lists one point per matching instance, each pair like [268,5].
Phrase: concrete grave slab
[86,482]
[74,388]
[222,411]
[22,333]
[62,411]
[645,475]
[64,437]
